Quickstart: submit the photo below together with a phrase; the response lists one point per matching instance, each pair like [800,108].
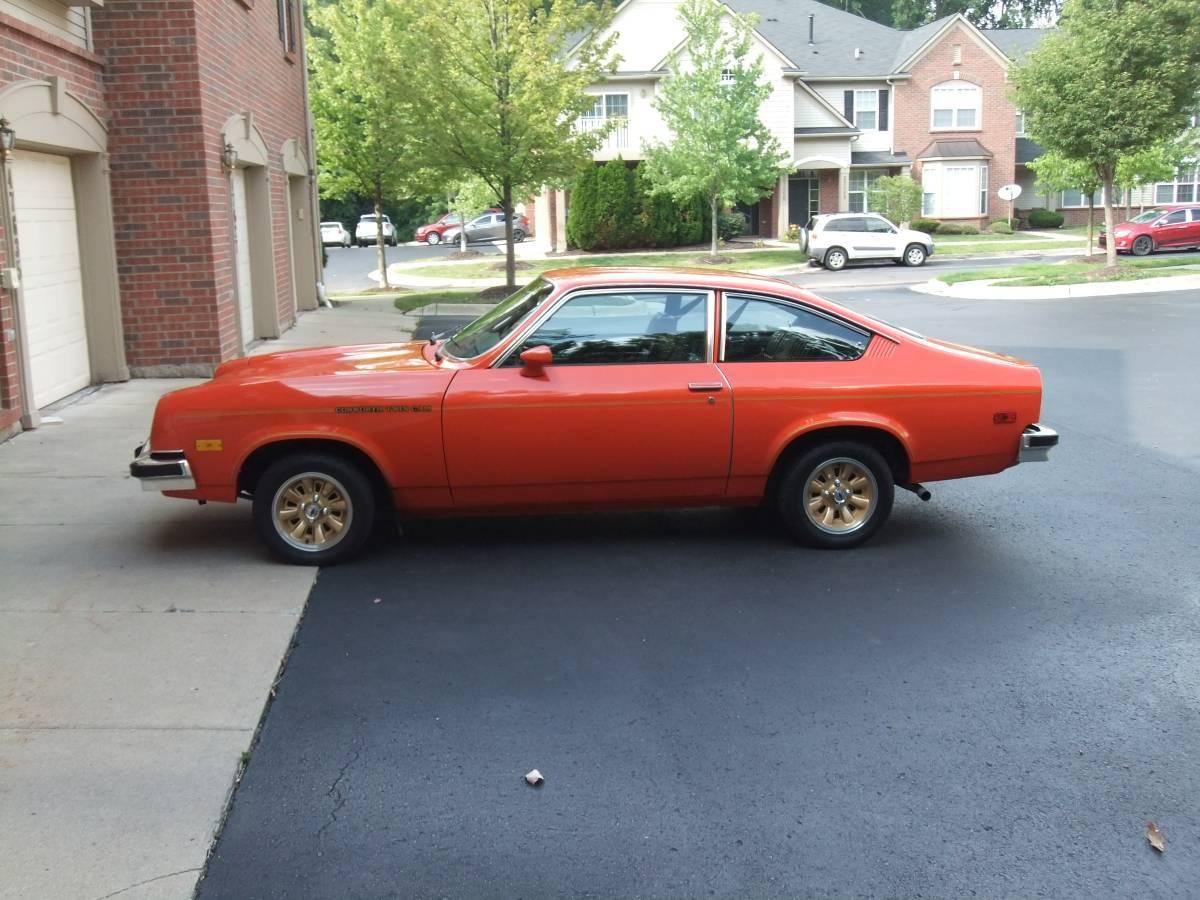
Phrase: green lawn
[743,260]
[982,237]
[417,299]
[968,248]
[1046,274]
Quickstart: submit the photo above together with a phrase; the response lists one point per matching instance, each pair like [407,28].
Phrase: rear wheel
[313,509]
[836,495]
[1142,245]
[518,236]
[835,259]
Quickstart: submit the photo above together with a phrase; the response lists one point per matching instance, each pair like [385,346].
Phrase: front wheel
[915,255]
[433,238]
[1142,246]
[835,259]
[837,495]
[312,509]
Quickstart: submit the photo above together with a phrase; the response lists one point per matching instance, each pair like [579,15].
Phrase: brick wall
[244,66]
[997,131]
[827,191]
[28,53]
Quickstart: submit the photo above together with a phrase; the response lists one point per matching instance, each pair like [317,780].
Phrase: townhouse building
[159,207]
[852,100]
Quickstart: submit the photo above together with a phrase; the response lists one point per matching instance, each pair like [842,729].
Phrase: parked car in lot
[1173,227]
[600,388]
[366,232]
[434,232]
[488,227]
[836,239]
[334,234]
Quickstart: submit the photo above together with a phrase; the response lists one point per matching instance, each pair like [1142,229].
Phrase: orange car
[600,388]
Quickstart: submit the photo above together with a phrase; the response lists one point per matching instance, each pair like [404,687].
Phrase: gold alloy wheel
[312,511]
[840,496]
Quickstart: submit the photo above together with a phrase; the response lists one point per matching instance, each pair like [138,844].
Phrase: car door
[1172,229]
[848,232]
[1193,232]
[478,228]
[632,408]
[879,241]
[786,364]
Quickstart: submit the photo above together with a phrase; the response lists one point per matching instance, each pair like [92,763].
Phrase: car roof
[331,223]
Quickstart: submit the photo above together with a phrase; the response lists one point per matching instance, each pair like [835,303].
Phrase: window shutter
[883,110]
[848,105]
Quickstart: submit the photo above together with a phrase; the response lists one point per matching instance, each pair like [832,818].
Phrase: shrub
[1044,218]
[1001,226]
[618,207]
[694,222]
[792,233]
[949,228]
[929,226]
[581,218]
[730,225]
[969,229]
[612,208]
[896,197]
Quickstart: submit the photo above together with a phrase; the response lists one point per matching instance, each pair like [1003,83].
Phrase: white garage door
[242,240]
[52,280]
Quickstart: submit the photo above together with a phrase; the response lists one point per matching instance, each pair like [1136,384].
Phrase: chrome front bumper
[1036,443]
[161,470]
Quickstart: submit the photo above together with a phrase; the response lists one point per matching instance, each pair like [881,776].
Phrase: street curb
[984,289]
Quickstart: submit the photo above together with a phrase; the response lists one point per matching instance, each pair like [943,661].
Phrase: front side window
[622,327]
[866,110]
[954,104]
[499,322]
[1176,218]
[878,226]
[759,330]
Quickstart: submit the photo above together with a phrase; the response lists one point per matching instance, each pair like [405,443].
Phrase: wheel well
[885,442]
[258,461]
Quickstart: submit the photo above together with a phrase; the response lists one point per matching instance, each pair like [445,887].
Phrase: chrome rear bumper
[161,470]
[1036,443]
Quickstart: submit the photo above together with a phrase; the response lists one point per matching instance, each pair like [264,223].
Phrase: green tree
[362,106]
[581,223]
[1055,173]
[720,148]
[984,13]
[897,197]
[505,97]
[1119,76]
[1155,163]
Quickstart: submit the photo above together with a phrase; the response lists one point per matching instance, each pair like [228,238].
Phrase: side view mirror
[534,361]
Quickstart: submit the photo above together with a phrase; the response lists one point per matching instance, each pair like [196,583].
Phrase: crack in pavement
[149,881]
[335,792]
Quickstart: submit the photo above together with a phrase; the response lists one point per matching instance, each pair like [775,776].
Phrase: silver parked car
[834,240]
[488,227]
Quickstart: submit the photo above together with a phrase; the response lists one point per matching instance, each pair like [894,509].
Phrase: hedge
[612,209]
[1045,218]
[929,226]
[949,228]
[1000,226]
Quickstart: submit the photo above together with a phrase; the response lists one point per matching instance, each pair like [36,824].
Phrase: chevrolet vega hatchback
[600,389]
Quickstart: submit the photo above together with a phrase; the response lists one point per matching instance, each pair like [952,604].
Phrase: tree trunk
[713,250]
[510,251]
[1091,220]
[379,242]
[1110,244]
[462,233]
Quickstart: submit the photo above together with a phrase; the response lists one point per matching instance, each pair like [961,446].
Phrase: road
[990,699]
[348,267]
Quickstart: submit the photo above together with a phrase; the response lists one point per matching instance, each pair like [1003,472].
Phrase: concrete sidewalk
[139,638]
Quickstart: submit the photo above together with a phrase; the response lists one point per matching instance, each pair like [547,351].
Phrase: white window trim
[1020,118]
[955,109]
[933,186]
[1194,181]
[866,189]
[874,110]
[1082,204]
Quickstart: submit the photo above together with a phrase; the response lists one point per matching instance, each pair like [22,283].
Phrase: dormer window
[954,104]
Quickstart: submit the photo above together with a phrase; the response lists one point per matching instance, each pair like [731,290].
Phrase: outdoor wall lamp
[229,158]
[8,137]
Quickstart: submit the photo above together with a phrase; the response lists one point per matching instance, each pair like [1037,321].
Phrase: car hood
[351,360]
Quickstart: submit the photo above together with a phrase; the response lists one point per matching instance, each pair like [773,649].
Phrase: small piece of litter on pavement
[534,778]
[378,600]
[1154,836]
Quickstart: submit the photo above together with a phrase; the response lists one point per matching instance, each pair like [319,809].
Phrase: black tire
[915,255]
[802,240]
[835,259]
[518,236]
[345,482]
[1142,245]
[796,492]
[433,239]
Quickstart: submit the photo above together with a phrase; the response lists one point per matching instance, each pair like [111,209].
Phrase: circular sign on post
[1009,192]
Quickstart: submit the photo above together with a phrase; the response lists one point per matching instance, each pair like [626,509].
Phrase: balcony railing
[618,135]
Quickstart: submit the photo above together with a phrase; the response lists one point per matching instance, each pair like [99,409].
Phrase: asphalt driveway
[990,699]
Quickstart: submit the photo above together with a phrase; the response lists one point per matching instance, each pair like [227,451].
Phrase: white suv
[834,240]
[364,233]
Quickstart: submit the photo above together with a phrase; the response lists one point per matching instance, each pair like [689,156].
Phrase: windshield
[1148,216]
[497,323]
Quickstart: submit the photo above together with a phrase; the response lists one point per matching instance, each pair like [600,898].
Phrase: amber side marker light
[210,445]
[1004,418]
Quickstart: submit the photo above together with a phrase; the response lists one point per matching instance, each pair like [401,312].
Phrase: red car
[435,232]
[1173,227]
[600,389]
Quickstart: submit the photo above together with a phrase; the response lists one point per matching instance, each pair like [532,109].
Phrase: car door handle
[705,387]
